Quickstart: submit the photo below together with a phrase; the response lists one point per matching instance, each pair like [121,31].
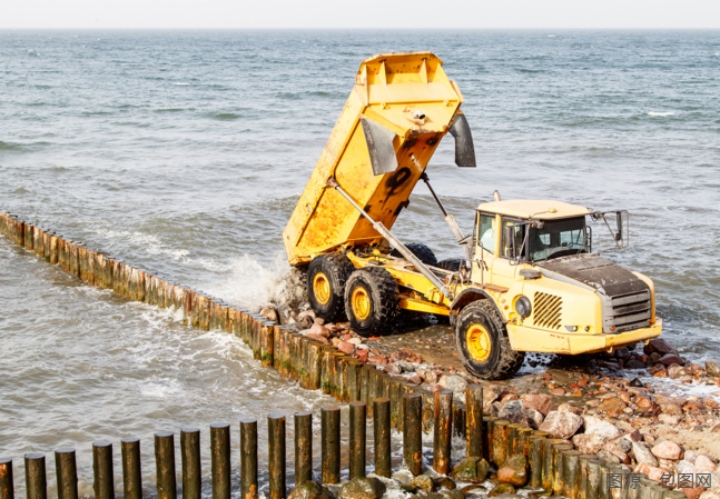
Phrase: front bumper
[528,339]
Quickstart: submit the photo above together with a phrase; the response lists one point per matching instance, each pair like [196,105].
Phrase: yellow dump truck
[528,280]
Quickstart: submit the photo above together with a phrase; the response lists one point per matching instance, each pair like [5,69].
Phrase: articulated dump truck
[527,280]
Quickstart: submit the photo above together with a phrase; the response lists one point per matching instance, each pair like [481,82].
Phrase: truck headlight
[523,307]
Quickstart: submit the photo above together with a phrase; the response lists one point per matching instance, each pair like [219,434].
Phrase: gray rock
[362,488]
[588,443]
[452,494]
[453,382]
[561,424]
[310,490]
[513,411]
[713,368]
[535,418]
[643,454]
[424,483]
[608,456]
[623,444]
[607,431]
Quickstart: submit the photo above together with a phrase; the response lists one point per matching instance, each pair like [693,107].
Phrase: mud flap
[380,146]
[464,147]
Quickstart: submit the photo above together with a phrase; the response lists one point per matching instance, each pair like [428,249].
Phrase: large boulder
[514,471]
[310,490]
[471,469]
[658,345]
[667,450]
[713,367]
[424,483]
[540,402]
[362,488]
[588,443]
[643,454]
[561,424]
[603,429]
[513,411]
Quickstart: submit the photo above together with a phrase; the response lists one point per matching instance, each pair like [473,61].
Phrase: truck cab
[533,259]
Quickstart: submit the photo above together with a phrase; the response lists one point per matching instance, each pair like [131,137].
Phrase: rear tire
[326,278]
[482,342]
[371,301]
[421,251]
[453,264]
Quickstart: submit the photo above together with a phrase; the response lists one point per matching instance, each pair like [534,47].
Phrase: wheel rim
[360,301]
[321,288]
[479,342]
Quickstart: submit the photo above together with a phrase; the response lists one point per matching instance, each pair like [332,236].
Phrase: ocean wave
[660,113]
[224,116]
[10,146]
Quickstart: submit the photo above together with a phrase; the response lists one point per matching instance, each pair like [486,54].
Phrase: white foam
[677,388]
[152,244]
[661,113]
[252,284]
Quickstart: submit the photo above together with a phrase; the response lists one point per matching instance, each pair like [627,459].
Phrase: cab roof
[538,209]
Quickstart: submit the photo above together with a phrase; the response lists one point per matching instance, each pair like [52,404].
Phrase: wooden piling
[7,486]
[473,421]
[103,482]
[594,483]
[132,472]
[442,431]
[354,367]
[248,459]
[276,456]
[500,439]
[220,460]
[266,344]
[35,477]
[66,472]
[28,236]
[330,422]
[535,460]
[315,358]
[548,476]
[303,447]
[412,433]
[571,472]
[165,465]
[488,430]
[190,458]
[381,434]
[357,440]
[558,472]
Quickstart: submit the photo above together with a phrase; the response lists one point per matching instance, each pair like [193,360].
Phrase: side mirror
[509,241]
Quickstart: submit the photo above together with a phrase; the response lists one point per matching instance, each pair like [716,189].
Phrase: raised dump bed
[398,111]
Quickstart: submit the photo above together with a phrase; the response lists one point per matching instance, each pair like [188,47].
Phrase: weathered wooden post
[35,477]
[381,433]
[267,347]
[276,453]
[594,483]
[220,460]
[7,487]
[66,471]
[103,482]
[473,421]
[571,472]
[442,431]
[500,439]
[558,473]
[165,465]
[132,473]
[303,447]
[357,439]
[248,459]
[412,433]
[537,443]
[190,457]
[330,422]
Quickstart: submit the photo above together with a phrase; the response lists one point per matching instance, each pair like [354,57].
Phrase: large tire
[453,264]
[326,278]
[421,251]
[482,342]
[371,301]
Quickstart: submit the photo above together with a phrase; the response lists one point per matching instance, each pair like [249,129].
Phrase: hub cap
[479,342]
[321,288]
[361,306]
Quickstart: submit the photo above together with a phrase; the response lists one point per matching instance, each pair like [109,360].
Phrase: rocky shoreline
[606,404]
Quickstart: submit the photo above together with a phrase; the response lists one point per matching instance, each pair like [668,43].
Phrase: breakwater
[550,463]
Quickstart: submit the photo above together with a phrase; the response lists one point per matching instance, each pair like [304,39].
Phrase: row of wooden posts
[553,464]
[390,401]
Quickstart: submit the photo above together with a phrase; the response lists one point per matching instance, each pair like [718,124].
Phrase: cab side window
[487,233]
[516,242]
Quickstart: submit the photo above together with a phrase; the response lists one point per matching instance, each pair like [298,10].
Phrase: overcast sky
[410,14]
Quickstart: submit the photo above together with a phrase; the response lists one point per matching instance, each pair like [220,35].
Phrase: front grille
[629,311]
[547,310]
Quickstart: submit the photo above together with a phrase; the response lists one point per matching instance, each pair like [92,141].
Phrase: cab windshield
[558,238]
